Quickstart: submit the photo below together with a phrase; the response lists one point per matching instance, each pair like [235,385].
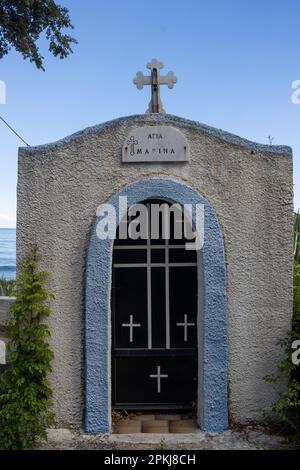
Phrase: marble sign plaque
[155,144]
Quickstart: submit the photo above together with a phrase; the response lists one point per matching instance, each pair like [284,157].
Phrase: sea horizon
[8,253]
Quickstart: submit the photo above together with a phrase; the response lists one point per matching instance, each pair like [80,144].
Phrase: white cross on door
[158,376]
[185,325]
[131,325]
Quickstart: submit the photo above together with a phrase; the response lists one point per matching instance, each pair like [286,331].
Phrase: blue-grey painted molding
[212,312]
[163,119]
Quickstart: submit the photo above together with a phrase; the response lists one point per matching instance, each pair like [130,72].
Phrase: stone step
[182,426]
[155,426]
[142,417]
[168,417]
[128,427]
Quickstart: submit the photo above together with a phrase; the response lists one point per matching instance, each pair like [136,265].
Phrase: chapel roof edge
[164,119]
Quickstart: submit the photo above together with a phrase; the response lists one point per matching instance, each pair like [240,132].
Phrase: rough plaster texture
[249,185]
[212,310]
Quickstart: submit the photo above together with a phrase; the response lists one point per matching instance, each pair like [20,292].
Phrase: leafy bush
[25,396]
[288,405]
[7,286]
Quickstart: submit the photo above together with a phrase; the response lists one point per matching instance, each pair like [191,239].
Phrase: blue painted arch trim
[212,312]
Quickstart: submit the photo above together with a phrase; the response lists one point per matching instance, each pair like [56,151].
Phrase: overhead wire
[15,132]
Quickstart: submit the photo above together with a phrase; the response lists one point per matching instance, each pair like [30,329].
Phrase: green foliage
[288,406]
[23,21]
[25,396]
[163,445]
[7,287]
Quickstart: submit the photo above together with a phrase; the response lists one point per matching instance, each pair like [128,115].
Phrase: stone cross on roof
[155,80]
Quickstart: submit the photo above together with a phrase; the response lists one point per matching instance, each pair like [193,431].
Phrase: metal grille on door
[154,322]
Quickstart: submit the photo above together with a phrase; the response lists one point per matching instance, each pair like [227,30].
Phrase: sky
[235,62]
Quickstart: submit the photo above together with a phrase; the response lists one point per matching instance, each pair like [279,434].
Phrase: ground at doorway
[250,438]
[156,423]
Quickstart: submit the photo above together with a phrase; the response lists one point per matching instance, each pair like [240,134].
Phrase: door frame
[212,311]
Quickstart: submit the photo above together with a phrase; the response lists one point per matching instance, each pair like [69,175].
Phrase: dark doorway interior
[154,321]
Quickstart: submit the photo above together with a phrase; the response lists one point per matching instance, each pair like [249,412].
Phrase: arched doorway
[212,302]
[154,311]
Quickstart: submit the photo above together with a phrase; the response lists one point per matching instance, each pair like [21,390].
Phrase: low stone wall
[5,303]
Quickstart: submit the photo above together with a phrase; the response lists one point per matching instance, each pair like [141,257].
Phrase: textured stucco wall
[249,185]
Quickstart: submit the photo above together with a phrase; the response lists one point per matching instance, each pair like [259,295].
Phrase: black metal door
[154,323]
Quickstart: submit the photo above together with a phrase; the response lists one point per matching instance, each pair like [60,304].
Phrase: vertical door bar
[167,281]
[149,300]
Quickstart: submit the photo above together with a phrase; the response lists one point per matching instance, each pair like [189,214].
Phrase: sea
[7,253]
